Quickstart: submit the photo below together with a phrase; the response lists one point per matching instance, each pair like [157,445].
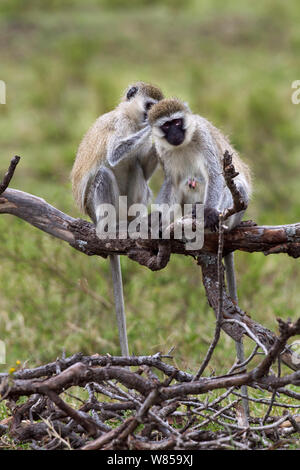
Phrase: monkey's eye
[166,126]
[178,122]
[148,105]
[132,92]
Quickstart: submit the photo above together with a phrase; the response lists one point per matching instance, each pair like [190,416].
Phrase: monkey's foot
[152,260]
[211,219]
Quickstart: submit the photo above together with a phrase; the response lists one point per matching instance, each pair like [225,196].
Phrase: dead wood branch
[141,397]
[172,415]
[9,174]
[81,235]
[229,175]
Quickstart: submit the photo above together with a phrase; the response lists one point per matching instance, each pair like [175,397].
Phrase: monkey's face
[170,131]
[173,131]
[141,97]
[143,104]
[172,124]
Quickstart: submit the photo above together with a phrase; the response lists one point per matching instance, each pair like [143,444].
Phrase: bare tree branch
[157,404]
[146,399]
[81,234]
[9,174]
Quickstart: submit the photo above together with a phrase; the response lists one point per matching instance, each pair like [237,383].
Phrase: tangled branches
[144,402]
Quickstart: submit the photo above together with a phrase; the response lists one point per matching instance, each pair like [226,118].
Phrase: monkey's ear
[132,92]
[187,106]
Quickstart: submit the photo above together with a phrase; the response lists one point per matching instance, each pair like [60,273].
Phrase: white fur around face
[136,108]
[159,137]
[160,122]
[141,101]
[183,162]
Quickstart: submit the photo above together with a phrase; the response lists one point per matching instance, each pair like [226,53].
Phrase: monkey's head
[139,98]
[171,122]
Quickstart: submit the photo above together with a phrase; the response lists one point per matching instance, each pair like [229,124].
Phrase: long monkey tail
[230,276]
[119,302]
[231,286]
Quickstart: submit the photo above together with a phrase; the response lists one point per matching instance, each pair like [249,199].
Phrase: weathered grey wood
[81,234]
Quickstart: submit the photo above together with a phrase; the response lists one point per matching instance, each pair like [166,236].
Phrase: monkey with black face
[191,150]
[116,158]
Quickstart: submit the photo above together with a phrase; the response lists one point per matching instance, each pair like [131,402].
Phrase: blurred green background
[65,63]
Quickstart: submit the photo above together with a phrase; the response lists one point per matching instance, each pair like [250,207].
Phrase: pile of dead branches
[144,402]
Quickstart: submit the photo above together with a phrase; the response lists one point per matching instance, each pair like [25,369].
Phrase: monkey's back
[91,153]
[224,144]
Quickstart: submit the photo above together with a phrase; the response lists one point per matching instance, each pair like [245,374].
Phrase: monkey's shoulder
[106,123]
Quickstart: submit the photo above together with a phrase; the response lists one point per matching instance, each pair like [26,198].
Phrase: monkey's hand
[211,219]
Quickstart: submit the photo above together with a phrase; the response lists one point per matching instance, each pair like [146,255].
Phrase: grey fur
[126,148]
[130,161]
[119,302]
[199,158]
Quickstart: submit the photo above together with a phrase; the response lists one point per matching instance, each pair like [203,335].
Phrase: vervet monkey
[116,158]
[191,150]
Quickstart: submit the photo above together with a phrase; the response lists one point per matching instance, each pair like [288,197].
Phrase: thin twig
[9,174]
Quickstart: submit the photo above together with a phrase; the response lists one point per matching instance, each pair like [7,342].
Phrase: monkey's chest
[191,184]
[193,189]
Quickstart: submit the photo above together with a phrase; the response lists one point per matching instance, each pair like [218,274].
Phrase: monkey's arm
[167,193]
[149,163]
[125,149]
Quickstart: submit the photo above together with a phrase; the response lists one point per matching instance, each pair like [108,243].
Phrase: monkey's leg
[149,164]
[138,191]
[105,190]
[125,150]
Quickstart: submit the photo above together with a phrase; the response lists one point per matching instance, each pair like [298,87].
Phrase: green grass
[64,64]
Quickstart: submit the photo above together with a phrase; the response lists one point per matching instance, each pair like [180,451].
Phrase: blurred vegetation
[65,63]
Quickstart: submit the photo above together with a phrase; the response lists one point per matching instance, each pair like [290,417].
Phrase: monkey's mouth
[175,139]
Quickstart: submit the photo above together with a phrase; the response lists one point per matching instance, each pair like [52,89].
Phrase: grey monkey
[191,150]
[116,158]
